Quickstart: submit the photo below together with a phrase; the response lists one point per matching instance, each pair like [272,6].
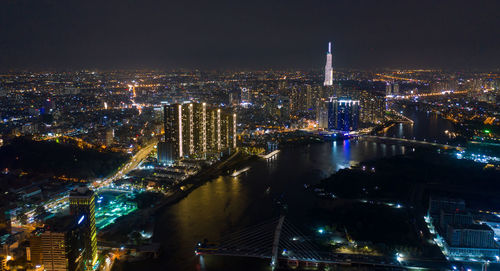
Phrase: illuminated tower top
[328,67]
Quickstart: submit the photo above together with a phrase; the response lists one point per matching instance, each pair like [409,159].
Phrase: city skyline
[264,135]
[163,160]
[257,35]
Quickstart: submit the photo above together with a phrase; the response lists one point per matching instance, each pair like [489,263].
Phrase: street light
[399,257]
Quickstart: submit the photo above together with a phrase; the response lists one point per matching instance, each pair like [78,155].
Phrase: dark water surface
[427,126]
[226,204]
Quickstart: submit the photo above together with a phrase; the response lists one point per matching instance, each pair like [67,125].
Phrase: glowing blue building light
[81,219]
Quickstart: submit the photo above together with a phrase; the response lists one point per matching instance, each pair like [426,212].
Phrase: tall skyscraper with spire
[328,67]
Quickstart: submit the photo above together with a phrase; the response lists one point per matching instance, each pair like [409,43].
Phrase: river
[427,126]
[226,204]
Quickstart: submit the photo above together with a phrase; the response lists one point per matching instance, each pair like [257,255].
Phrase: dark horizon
[222,35]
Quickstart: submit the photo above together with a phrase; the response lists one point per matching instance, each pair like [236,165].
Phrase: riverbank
[229,204]
[236,160]
[356,203]
[140,218]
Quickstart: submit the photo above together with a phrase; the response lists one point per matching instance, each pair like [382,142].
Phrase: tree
[136,238]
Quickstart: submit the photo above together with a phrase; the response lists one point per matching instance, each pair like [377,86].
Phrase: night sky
[252,34]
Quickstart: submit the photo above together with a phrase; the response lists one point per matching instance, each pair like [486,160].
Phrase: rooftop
[81,191]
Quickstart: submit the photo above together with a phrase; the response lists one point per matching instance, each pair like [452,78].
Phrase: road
[131,164]
[413,141]
[55,204]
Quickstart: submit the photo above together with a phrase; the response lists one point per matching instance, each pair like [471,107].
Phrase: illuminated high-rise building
[164,154]
[388,89]
[172,122]
[225,126]
[343,114]
[395,89]
[34,250]
[53,256]
[332,117]
[228,131]
[60,246]
[187,113]
[110,135]
[233,132]
[218,130]
[372,107]
[391,89]
[309,97]
[82,205]
[322,114]
[200,129]
[211,131]
[245,95]
[329,67]
[193,130]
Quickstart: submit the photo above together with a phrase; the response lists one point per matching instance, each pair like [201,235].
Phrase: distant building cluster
[195,116]
[350,112]
[344,110]
[459,235]
[391,89]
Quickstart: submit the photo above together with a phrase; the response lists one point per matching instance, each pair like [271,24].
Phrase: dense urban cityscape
[324,168]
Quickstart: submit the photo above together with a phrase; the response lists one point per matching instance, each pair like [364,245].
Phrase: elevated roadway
[410,141]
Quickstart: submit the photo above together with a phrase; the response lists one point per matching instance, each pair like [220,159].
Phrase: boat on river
[236,173]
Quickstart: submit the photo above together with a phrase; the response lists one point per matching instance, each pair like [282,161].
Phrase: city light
[399,257]
[382,168]
[81,219]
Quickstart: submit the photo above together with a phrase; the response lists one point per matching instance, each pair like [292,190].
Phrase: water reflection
[427,125]
[227,204]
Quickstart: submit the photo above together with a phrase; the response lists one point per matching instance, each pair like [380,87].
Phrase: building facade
[459,235]
[343,115]
[329,67]
[82,205]
[193,130]
[372,108]
[59,246]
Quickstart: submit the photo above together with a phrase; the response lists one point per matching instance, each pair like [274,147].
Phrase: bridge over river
[410,141]
[283,244]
